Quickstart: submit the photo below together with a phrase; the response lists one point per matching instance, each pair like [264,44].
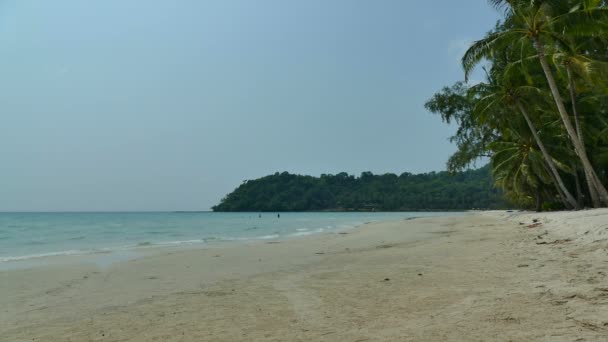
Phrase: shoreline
[106,254]
[472,277]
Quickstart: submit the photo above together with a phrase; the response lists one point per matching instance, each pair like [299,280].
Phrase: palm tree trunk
[579,191]
[562,196]
[592,189]
[589,171]
[560,193]
[539,201]
[577,121]
[569,198]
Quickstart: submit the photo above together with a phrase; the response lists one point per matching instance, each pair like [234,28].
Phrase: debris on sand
[556,242]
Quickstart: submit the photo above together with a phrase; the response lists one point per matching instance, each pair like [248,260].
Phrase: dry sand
[479,277]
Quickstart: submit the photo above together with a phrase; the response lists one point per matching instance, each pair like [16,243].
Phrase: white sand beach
[491,276]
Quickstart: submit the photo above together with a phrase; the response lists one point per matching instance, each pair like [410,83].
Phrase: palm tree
[576,63]
[533,22]
[499,94]
[518,168]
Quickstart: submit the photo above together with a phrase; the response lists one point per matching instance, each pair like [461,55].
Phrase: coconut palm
[501,96]
[518,168]
[537,23]
[574,63]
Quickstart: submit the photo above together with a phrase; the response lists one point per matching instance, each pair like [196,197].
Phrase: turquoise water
[25,236]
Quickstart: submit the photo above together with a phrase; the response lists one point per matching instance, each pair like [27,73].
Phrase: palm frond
[486,48]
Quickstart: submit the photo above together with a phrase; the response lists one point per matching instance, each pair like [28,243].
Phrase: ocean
[29,236]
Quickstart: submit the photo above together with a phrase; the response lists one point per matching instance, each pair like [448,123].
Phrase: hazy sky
[169,105]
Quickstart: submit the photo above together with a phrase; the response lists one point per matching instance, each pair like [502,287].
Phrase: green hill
[387,192]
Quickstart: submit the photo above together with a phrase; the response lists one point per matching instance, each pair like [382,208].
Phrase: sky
[144,105]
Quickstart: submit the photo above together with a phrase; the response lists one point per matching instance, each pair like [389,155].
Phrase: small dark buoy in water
[260,215]
[278,215]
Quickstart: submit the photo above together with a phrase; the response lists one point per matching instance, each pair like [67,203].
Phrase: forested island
[368,192]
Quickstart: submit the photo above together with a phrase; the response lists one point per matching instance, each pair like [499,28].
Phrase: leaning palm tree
[536,23]
[500,96]
[574,63]
[518,169]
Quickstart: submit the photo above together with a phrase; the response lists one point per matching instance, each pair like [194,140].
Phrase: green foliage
[388,192]
[540,115]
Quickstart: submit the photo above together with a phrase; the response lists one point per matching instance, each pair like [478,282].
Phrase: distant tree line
[368,192]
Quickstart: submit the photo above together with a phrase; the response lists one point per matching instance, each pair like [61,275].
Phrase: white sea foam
[141,245]
[307,232]
[268,237]
[50,254]
[264,237]
[185,242]
[302,233]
